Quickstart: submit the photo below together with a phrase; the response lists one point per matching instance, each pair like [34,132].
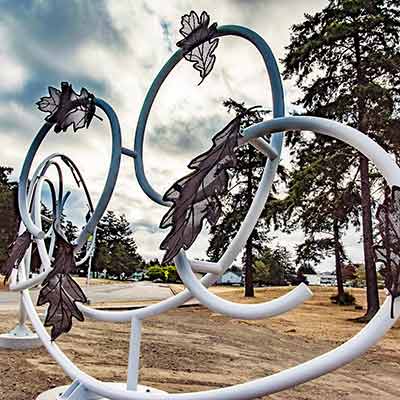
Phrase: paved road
[119,293]
[135,291]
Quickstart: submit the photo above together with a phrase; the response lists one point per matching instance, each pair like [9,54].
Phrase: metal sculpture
[193,195]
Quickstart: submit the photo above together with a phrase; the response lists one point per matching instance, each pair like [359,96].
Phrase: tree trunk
[249,285]
[370,268]
[338,261]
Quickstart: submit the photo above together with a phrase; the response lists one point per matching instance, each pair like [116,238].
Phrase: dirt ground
[192,349]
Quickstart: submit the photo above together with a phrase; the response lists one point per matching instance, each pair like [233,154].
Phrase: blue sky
[115,49]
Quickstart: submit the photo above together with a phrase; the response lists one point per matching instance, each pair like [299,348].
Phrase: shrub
[155,272]
[347,299]
[170,273]
[166,273]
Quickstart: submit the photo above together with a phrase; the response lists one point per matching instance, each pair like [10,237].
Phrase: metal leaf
[61,291]
[36,261]
[67,108]
[16,252]
[195,196]
[197,45]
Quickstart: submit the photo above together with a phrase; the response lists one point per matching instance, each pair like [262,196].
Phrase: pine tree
[237,201]
[70,230]
[274,267]
[116,250]
[322,200]
[345,59]
[9,215]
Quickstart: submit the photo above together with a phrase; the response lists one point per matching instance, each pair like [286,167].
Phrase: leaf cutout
[195,196]
[388,250]
[67,108]
[16,252]
[197,45]
[61,291]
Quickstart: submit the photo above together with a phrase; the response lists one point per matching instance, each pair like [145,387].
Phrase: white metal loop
[33,203]
[267,309]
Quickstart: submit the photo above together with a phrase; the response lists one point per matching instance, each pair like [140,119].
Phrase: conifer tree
[346,60]
[9,216]
[244,183]
[116,249]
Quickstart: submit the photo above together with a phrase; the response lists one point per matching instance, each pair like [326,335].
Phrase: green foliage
[345,299]
[345,53]
[322,194]
[244,183]
[345,60]
[167,273]
[9,216]
[306,269]
[170,273]
[70,230]
[155,272]
[116,250]
[47,213]
[274,267]
[360,277]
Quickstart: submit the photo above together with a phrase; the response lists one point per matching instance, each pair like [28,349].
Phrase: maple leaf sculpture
[197,45]
[388,250]
[61,291]
[195,196]
[67,108]
[16,252]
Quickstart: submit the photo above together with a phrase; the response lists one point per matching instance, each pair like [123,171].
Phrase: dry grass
[193,349]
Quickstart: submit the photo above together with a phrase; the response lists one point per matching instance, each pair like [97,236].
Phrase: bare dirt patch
[193,349]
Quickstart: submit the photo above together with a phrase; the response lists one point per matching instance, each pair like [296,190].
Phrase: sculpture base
[20,338]
[76,392]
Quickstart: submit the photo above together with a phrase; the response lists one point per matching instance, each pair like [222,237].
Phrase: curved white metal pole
[24,283]
[286,379]
[89,252]
[108,187]
[34,195]
[382,160]
[40,170]
[268,309]
[206,266]
[37,217]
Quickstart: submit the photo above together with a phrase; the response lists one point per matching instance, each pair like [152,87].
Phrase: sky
[115,49]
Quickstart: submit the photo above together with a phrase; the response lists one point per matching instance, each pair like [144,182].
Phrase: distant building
[230,278]
[328,279]
[321,279]
[313,279]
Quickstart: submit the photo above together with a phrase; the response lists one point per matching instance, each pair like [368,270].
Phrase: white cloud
[127,72]
[13,74]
